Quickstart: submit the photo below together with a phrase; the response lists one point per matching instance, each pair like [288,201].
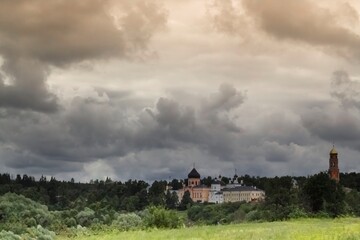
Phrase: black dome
[194,174]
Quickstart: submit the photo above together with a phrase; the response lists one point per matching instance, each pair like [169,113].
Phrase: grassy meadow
[316,229]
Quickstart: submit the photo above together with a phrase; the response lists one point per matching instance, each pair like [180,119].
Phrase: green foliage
[218,213]
[30,222]
[297,213]
[171,200]
[255,215]
[85,217]
[70,222]
[130,204]
[39,233]
[157,193]
[324,194]
[61,206]
[128,221]
[159,217]
[20,212]
[34,233]
[9,235]
[186,201]
[352,200]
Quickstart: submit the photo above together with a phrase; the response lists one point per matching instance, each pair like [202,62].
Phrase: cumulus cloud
[332,30]
[40,34]
[300,20]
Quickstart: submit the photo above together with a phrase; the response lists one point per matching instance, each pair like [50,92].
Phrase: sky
[145,89]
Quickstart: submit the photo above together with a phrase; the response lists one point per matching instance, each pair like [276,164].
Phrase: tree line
[27,203]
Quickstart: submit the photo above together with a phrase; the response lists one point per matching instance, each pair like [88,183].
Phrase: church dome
[333,150]
[193,174]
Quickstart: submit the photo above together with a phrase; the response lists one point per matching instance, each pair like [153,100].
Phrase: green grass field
[344,228]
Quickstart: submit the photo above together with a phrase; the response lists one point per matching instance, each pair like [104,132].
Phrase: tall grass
[315,229]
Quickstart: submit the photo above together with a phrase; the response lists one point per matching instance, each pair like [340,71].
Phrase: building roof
[333,150]
[193,174]
[241,189]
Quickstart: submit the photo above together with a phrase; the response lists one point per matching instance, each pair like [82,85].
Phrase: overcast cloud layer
[145,89]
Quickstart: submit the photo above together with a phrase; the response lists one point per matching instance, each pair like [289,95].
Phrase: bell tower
[193,178]
[334,165]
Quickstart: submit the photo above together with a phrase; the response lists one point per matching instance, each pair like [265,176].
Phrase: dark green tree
[323,194]
[186,201]
[171,200]
[157,193]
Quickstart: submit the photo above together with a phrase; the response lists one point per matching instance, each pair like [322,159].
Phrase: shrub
[254,215]
[128,221]
[239,215]
[85,217]
[39,233]
[298,213]
[70,222]
[9,236]
[159,217]
[30,222]
[20,212]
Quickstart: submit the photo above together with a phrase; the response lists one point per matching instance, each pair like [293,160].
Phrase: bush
[20,212]
[298,213]
[239,215]
[218,213]
[254,215]
[30,222]
[70,222]
[85,217]
[128,221]
[9,236]
[159,217]
[39,233]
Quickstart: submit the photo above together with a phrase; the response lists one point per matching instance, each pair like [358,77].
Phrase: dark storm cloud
[297,21]
[209,127]
[28,89]
[38,34]
[158,140]
[90,130]
[334,125]
[339,124]
[275,152]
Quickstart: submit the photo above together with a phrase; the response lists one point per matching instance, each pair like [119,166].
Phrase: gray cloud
[345,90]
[337,123]
[90,130]
[40,34]
[108,138]
[28,89]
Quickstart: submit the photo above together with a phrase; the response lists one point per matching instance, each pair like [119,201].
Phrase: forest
[41,209]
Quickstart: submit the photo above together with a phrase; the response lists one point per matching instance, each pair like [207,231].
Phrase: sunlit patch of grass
[313,229]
